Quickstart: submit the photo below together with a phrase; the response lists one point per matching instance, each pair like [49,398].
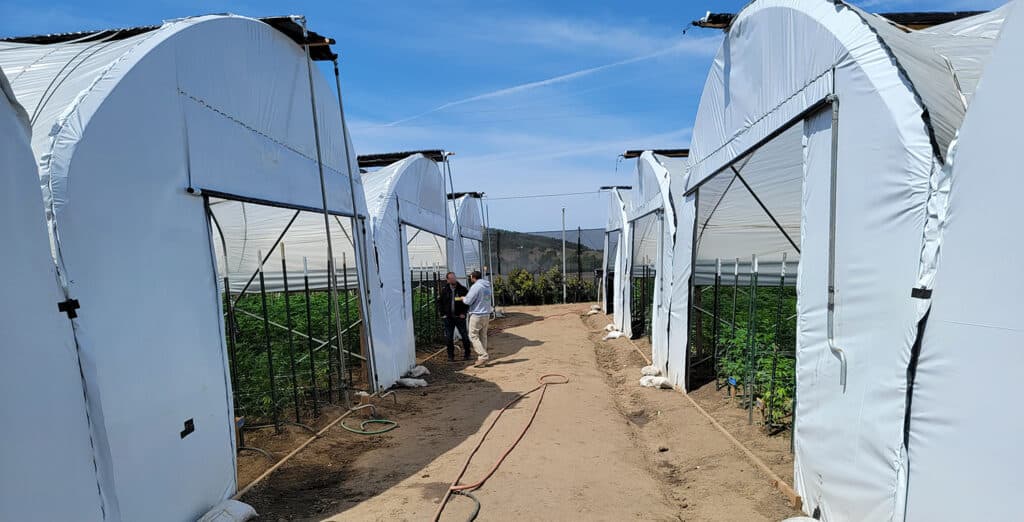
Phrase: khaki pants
[478,334]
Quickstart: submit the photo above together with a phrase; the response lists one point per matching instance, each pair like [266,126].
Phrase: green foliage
[520,287]
[773,370]
[251,361]
[428,327]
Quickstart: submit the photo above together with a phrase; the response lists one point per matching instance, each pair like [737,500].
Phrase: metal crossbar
[765,209]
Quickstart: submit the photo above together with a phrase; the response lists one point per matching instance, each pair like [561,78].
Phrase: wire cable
[530,196]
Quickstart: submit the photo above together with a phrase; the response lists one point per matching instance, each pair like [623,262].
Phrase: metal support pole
[497,248]
[778,338]
[342,361]
[268,346]
[291,339]
[345,290]
[348,308]
[332,334]
[735,288]
[417,325]
[833,347]
[332,283]
[714,318]
[563,256]
[490,260]
[359,236]
[647,297]
[309,337]
[579,262]
[751,342]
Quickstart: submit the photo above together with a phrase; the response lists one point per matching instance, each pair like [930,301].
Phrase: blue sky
[534,97]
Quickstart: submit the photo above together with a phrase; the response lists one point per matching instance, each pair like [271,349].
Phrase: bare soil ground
[601,447]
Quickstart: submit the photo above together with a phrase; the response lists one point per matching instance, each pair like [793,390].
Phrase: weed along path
[599,448]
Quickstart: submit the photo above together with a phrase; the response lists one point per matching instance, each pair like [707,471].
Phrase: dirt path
[601,448]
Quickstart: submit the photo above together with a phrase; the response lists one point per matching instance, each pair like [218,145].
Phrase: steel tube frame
[309,337]
[359,241]
[714,318]
[269,347]
[332,282]
[778,339]
[291,338]
[832,346]
[751,341]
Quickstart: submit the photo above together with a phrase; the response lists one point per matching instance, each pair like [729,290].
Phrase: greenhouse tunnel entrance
[743,304]
[644,274]
[292,350]
[427,266]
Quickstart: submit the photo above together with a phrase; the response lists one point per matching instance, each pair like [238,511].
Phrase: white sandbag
[229,511]
[612,335]
[595,308]
[407,382]
[593,312]
[418,371]
[651,381]
[609,328]
[650,370]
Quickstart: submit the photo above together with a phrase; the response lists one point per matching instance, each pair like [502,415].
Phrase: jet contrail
[539,83]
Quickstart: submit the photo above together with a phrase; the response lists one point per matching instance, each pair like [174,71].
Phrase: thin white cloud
[581,36]
[544,83]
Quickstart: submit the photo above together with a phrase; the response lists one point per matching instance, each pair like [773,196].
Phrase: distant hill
[539,252]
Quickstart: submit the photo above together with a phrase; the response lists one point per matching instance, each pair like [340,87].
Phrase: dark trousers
[450,324]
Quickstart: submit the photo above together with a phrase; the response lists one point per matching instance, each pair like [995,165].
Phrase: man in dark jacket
[453,312]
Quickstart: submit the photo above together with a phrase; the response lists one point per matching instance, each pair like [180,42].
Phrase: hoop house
[822,131]
[159,120]
[973,329]
[50,446]
[404,199]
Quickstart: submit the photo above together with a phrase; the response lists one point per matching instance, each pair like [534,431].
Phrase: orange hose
[455,486]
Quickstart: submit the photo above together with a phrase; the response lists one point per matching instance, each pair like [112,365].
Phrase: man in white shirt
[479,302]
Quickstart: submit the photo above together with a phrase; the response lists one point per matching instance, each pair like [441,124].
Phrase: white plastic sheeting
[403,198]
[427,252]
[964,413]
[243,231]
[218,104]
[731,220]
[778,65]
[49,470]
